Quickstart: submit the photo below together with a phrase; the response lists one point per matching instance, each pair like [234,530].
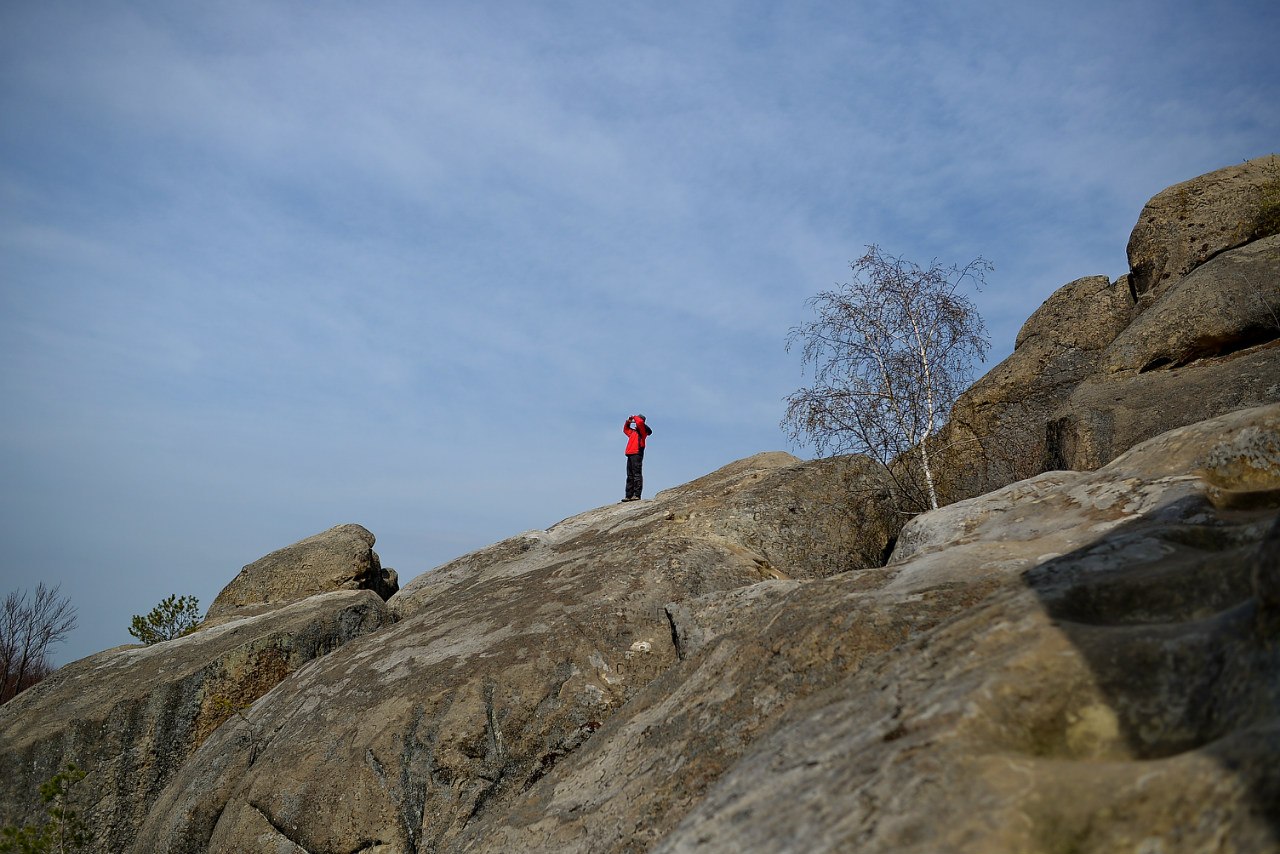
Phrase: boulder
[1085,315]
[996,432]
[1203,344]
[132,716]
[341,558]
[808,520]
[1106,415]
[1189,223]
[1227,304]
[1204,286]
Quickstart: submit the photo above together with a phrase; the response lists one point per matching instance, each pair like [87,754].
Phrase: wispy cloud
[267,267]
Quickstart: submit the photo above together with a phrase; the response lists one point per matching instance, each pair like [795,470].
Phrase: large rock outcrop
[1190,332]
[504,662]
[1224,306]
[1075,661]
[997,429]
[341,558]
[1027,674]
[1189,223]
[132,716]
[1103,417]
[1066,664]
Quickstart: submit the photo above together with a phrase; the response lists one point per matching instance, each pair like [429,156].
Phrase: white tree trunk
[928,476]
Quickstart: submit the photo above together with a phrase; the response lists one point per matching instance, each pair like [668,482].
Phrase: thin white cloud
[267,267]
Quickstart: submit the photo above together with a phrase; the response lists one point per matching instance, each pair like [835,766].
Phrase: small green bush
[1267,220]
[174,617]
[62,831]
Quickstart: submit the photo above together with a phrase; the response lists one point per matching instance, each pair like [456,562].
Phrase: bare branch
[890,351]
[27,629]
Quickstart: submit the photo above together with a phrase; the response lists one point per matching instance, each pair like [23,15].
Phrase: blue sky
[269,267]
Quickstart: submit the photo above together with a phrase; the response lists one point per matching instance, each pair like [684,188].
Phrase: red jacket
[636,437]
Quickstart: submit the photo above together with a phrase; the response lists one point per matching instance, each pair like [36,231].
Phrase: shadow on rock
[1177,617]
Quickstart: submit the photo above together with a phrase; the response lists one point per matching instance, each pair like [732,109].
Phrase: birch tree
[890,351]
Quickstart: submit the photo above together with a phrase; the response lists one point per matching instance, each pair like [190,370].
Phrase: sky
[269,267]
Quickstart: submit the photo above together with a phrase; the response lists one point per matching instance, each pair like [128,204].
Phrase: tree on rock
[890,350]
[172,618]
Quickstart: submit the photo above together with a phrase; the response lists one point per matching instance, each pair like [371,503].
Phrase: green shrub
[174,617]
[62,831]
[1267,220]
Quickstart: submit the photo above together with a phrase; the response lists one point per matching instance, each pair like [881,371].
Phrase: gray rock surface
[1106,415]
[1225,305]
[1189,223]
[132,716]
[1066,664]
[1079,660]
[505,662]
[341,558]
[997,429]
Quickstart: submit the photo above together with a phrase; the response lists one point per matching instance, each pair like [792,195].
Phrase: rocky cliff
[1192,331]
[1064,660]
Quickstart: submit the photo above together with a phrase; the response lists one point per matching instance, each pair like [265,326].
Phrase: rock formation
[1189,223]
[1066,664]
[760,660]
[1191,332]
[504,662]
[132,716]
[997,430]
[341,558]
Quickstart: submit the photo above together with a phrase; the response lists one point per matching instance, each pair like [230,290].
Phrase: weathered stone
[341,558]
[1086,314]
[996,431]
[1053,667]
[1189,223]
[1208,344]
[504,663]
[1266,584]
[1228,304]
[797,520]
[1067,397]
[1077,661]
[808,520]
[131,716]
[1104,416]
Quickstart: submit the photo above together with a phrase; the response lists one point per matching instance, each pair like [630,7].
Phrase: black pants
[635,481]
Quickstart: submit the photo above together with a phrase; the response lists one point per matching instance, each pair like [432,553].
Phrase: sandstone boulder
[1105,415]
[132,716]
[1189,223]
[996,431]
[1203,289]
[1266,585]
[341,558]
[795,519]
[1227,304]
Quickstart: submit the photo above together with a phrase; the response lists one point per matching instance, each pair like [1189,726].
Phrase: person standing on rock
[637,432]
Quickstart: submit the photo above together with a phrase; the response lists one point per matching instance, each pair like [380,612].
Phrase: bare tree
[27,628]
[891,351]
